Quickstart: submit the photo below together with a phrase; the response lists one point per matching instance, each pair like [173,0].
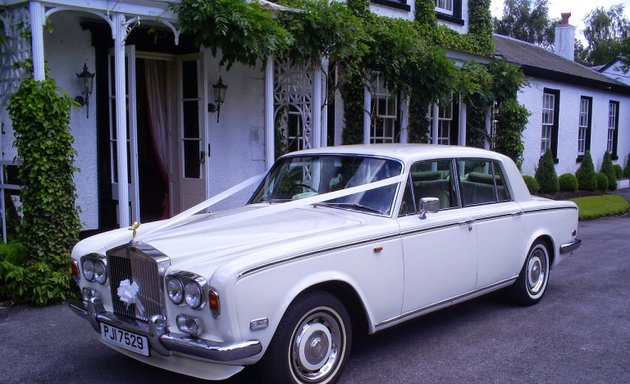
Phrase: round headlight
[100,272]
[88,269]
[175,290]
[193,295]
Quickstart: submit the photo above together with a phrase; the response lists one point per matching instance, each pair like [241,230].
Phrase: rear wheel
[312,342]
[532,281]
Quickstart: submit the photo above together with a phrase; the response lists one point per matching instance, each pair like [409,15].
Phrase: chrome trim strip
[571,246]
[164,342]
[443,304]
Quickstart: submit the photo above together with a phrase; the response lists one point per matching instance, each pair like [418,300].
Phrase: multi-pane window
[613,119]
[584,124]
[445,123]
[548,121]
[444,6]
[384,113]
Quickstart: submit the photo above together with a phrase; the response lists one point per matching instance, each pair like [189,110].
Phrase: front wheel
[531,284]
[311,344]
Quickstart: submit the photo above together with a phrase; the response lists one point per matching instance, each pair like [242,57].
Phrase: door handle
[469,223]
[202,157]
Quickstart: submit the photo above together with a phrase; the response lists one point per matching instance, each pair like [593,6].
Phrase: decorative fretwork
[14,48]
[293,95]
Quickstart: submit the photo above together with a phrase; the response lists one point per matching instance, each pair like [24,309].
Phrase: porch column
[488,126]
[317,109]
[404,120]
[462,122]
[120,32]
[324,129]
[367,103]
[36,14]
[269,123]
[435,123]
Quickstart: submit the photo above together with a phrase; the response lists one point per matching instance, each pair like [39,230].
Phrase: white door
[191,140]
[132,131]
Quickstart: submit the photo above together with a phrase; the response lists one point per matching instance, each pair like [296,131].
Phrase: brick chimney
[564,44]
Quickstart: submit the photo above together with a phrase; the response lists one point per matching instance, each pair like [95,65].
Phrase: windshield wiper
[356,206]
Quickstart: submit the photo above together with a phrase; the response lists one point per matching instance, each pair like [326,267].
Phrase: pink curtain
[155,76]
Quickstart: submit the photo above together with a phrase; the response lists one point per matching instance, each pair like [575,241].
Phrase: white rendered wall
[65,51]
[384,10]
[532,95]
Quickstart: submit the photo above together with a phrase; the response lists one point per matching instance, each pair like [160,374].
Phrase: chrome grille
[144,266]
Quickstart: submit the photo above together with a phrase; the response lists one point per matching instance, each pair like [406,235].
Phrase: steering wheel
[297,185]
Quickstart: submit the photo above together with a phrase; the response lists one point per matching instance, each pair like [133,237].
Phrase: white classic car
[334,241]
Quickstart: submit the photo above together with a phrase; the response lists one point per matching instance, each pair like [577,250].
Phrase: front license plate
[124,339]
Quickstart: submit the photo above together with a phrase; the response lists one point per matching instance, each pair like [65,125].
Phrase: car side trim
[570,246]
[443,304]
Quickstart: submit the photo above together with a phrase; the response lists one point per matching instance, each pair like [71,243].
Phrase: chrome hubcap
[536,271]
[317,346]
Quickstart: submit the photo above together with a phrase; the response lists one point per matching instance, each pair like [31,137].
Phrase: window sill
[393,4]
[449,18]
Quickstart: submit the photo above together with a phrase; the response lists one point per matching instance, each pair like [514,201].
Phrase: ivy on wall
[40,113]
[409,55]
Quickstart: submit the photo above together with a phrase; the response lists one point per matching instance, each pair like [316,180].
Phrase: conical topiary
[546,174]
[587,179]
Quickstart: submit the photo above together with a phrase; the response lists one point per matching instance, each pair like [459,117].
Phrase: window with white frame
[444,6]
[613,122]
[445,123]
[384,114]
[548,121]
[584,125]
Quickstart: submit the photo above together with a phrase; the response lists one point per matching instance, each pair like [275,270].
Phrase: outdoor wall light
[86,82]
[219,97]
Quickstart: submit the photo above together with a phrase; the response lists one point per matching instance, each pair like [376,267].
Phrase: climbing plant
[40,113]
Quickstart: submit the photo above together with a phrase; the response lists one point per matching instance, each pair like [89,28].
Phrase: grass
[593,207]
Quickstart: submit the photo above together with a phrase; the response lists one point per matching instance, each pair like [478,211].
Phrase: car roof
[407,153]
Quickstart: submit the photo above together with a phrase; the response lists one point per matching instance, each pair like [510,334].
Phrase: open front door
[191,141]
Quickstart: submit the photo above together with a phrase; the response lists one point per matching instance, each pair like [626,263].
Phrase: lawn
[593,207]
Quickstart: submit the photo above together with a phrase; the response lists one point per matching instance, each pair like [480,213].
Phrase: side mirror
[428,204]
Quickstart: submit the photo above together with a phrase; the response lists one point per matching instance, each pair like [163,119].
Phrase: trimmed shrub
[602,181]
[532,184]
[568,182]
[607,169]
[587,180]
[618,171]
[546,174]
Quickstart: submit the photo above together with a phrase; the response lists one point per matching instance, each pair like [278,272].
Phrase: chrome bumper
[160,339]
[570,247]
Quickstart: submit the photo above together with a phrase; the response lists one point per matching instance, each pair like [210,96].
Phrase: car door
[495,218]
[439,248]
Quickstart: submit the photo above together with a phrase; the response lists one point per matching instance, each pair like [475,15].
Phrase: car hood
[204,243]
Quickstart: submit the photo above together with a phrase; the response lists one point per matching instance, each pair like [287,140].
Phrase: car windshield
[298,177]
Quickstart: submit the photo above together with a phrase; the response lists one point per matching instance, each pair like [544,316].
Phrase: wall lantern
[86,82]
[219,97]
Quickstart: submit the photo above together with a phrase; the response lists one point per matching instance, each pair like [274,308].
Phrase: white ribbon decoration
[128,294]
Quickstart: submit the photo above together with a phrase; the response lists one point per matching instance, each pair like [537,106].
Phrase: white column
[434,123]
[36,14]
[120,31]
[462,122]
[488,125]
[324,131]
[316,107]
[404,119]
[269,123]
[367,103]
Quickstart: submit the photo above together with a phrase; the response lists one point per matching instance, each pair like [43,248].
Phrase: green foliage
[626,169]
[511,120]
[607,33]
[352,94]
[242,30]
[480,24]
[568,182]
[526,20]
[607,169]
[507,79]
[13,274]
[587,179]
[602,181]
[40,114]
[546,174]
[360,8]
[618,171]
[532,184]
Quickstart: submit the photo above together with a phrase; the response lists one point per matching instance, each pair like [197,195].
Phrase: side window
[430,179]
[481,182]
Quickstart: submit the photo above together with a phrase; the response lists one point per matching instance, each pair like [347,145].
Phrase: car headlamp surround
[187,288]
[94,268]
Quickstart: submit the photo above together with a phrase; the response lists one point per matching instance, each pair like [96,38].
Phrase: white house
[573,108]
[618,69]
[152,117]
